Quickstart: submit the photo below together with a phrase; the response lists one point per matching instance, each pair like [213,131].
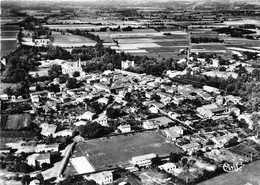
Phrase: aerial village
[122,126]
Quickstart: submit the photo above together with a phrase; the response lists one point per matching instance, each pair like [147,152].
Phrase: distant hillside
[134,3]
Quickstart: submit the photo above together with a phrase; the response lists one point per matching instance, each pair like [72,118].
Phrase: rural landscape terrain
[135,92]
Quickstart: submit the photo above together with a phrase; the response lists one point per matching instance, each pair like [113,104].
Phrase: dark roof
[219,109]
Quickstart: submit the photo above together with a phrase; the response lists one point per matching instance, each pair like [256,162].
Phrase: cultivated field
[146,41]
[70,40]
[103,153]
[16,121]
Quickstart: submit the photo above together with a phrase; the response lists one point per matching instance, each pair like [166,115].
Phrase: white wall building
[126,64]
[87,116]
[102,178]
[124,128]
[167,167]
[143,160]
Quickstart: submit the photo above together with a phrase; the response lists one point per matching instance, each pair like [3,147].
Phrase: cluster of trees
[205,40]
[93,130]
[234,32]
[84,33]
[76,180]
[58,53]
[19,63]
[14,163]
[15,108]
[25,59]
[28,23]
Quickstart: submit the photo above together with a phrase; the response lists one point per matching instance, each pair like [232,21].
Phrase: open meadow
[70,40]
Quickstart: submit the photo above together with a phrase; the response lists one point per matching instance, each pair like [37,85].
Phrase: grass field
[5,85]
[209,46]
[70,40]
[105,153]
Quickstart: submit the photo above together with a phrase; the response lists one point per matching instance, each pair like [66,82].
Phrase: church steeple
[79,62]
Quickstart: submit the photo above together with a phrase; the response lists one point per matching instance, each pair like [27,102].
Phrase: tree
[110,66]
[54,87]
[9,91]
[71,83]
[77,180]
[110,112]
[45,165]
[175,157]
[184,161]
[24,168]
[76,74]
[156,161]
[26,179]
[222,68]
[93,130]
[232,142]
[96,107]
[256,125]
[55,71]
[40,177]
[62,79]
[242,123]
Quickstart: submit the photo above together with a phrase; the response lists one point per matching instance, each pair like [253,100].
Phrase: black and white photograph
[130,92]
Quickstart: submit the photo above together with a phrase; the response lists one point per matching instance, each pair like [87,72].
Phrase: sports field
[104,153]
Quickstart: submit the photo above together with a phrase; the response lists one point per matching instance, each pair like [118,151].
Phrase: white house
[211,89]
[35,182]
[124,128]
[103,101]
[235,110]
[35,98]
[151,124]
[126,64]
[153,110]
[3,97]
[78,123]
[102,178]
[143,160]
[87,116]
[48,129]
[215,63]
[173,133]
[167,167]
[191,147]
[102,120]
[38,159]
[64,133]
[47,148]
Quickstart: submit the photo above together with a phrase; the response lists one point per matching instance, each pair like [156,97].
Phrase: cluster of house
[100,87]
